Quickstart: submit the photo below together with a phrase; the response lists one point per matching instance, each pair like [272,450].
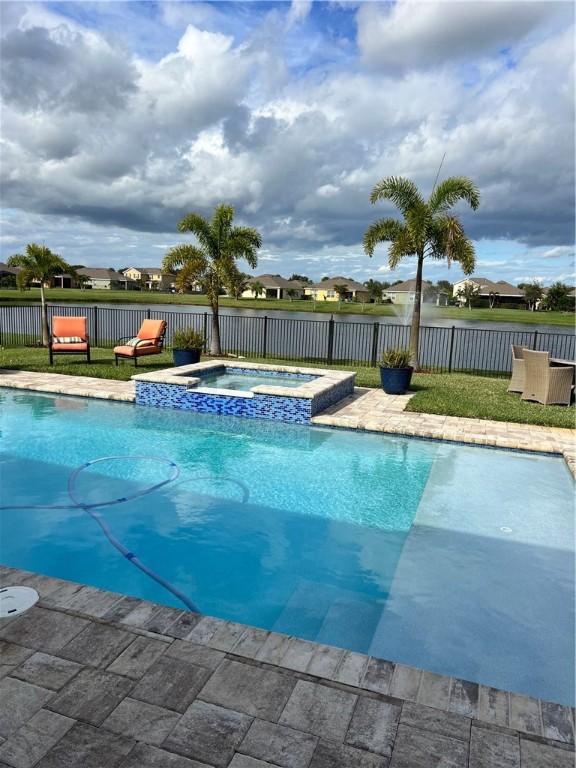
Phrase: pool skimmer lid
[15,600]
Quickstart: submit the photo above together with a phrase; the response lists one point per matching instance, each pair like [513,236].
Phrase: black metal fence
[481,351]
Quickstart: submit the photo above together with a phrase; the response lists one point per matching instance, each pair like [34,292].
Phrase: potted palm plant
[187,345]
[395,370]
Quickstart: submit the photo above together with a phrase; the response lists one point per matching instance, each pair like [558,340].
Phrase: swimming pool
[452,558]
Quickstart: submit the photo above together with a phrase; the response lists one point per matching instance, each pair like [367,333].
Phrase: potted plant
[187,345]
[395,370]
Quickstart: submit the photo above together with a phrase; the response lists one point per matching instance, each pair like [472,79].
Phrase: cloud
[132,115]
[411,34]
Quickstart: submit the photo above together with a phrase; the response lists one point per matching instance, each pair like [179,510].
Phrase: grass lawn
[149,298]
[452,394]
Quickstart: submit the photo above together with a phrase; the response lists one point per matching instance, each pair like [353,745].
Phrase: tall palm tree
[214,258]
[429,229]
[41,265]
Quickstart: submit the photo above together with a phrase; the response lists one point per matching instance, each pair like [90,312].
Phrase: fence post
[375,334]
[265,336]
[95,340]
[451,349]
[205,330]
[148,313]
[330,350]
[535,340]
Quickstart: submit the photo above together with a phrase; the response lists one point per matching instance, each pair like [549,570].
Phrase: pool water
[456,559]
[230,379]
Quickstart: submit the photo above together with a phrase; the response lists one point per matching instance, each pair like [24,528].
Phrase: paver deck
[93,679]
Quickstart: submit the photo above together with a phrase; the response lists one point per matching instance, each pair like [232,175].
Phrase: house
[95,277]
[325,290]
[404,293]
[275,287]
[101,278]
[150,278]
[8,275]
[497,293]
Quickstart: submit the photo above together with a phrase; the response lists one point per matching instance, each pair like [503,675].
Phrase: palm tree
[236,284]
[429,229]
[341,290]
[214,258]
[291,293]
[257,289]
[41,265]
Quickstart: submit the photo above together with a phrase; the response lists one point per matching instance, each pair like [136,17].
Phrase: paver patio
[93,679]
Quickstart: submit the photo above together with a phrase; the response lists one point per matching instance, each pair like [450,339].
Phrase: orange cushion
[70,347]
[127,351]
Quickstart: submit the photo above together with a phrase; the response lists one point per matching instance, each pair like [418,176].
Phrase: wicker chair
[546,384]
[518,375]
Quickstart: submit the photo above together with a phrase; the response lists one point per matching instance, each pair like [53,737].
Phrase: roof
[408,286]
[148,270]
[101,273]
[328,285]
[6,270]
[488,286]
[271,281]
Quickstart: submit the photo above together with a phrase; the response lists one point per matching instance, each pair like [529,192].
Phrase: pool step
[350,624]
[326,614]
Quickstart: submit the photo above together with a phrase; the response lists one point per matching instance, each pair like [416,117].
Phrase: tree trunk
[213,289]
[415,328]
[44,310]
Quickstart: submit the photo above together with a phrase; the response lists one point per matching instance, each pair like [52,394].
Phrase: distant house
[275,287]
[101,278]
[151,278]
[498,293]
[325,291]
[8,274]
[404,293]
[96,277]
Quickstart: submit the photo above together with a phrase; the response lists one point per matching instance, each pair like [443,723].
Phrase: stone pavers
[92,679]
[229,696]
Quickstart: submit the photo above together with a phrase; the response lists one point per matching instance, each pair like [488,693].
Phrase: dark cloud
[42,72]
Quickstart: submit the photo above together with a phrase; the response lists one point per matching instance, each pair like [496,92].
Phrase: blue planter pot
[186,356]
[396,381]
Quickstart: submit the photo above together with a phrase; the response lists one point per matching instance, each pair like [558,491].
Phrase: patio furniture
[148,341]
[517,380]
[545,384]
[69,337]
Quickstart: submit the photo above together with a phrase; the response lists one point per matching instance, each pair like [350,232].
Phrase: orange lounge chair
[148,341]
[69,337]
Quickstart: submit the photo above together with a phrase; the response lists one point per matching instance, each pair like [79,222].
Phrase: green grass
[149,298]
[451,394]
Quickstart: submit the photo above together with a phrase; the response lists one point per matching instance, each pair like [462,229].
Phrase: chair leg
[116,356]
[51,357]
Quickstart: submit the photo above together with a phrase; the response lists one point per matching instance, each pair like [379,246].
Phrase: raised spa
[249,390]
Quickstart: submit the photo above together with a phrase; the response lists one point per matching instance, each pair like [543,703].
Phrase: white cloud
[109,136]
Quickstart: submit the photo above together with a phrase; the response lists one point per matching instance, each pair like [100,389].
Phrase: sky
[118,118]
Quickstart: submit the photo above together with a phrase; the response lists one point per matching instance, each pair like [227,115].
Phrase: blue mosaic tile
[294,410]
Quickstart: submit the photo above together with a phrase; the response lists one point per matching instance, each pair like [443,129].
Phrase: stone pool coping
[184,376]
[97,678]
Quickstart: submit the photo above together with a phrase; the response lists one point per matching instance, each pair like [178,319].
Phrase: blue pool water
[452,558]
[231,379]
